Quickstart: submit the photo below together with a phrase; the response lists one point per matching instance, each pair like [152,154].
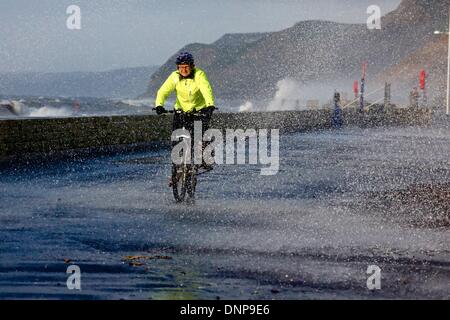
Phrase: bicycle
[184,175]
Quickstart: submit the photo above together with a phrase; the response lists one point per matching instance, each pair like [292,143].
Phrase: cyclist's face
[185,69]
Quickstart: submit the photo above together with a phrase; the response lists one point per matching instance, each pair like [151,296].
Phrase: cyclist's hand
[160,110]
[209,110]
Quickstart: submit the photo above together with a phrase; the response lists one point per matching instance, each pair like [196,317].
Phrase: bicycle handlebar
[178,111]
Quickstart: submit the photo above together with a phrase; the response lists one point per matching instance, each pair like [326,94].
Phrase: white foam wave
[248,106]
[50,112]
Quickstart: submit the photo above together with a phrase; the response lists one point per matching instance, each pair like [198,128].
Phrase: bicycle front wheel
[191,182]
[179,179]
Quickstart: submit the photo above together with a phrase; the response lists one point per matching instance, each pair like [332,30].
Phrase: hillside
[314,52]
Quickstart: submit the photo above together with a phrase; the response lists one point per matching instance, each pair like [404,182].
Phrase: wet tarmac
[342,201]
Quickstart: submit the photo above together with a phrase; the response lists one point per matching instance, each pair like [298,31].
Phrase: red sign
[423,77]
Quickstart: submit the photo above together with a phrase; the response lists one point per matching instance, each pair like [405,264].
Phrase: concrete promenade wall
[22,138]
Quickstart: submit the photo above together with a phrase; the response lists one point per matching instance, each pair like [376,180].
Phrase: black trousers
[186,120]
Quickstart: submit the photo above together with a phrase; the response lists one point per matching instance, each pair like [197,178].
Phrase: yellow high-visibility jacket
[193,92]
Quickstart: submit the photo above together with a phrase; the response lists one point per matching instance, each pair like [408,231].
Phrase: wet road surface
[343,200]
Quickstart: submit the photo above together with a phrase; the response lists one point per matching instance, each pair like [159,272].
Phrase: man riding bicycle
[194,96]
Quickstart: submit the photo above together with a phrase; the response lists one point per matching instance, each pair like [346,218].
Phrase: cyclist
[194,96]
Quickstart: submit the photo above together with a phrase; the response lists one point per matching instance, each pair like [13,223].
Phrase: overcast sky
[129,33]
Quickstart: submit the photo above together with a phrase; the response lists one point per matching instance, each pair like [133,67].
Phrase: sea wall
[35,137]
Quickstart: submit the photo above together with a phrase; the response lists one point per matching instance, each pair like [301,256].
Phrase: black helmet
[185,58]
